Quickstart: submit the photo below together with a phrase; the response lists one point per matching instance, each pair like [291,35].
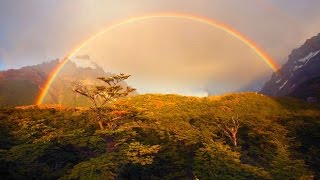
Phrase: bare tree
[230,129]
[101,95]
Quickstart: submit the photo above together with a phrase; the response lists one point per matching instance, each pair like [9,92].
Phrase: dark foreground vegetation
[237,136]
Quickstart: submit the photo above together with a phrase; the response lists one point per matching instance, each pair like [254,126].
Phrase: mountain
[300,76]
[22,86]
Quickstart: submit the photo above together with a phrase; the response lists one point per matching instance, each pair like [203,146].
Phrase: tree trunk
[101,125]
[100,119]
[234,138]
[235,142]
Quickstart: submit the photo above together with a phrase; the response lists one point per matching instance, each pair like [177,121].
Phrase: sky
[34,31]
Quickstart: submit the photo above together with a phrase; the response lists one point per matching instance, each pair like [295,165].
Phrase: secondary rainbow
[200,19]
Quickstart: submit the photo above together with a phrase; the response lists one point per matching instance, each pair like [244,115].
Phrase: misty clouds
[34,31]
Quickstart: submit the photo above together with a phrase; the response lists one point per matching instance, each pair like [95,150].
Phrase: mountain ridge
[20,87]
[302,66]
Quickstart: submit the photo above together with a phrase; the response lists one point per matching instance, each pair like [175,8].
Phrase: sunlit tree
[101,95]
[230,129]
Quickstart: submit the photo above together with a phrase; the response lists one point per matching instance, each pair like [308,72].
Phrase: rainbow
[200,19]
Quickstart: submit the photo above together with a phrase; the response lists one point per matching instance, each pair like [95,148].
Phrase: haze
[162,56]
[177,56]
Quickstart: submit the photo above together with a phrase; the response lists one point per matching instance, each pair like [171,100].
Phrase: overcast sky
[34,31]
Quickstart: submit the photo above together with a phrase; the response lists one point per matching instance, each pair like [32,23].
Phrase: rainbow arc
[204,20]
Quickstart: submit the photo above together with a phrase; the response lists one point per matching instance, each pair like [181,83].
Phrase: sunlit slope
[18,92]
[275,134]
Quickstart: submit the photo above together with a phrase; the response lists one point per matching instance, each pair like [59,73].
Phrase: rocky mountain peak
[311,45]
[84,61]
[302,66]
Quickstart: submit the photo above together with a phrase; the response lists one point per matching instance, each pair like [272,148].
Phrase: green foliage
[106,166]
[141,154]
[164,137]
[217,161]
[43,161]
[283,167]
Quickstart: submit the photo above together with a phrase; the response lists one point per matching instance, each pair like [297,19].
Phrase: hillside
[164,137]
[22,86]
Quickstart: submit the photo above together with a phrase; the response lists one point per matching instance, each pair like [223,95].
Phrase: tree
[101,95]
[285,167]
[217,161]
[142,154]
[230,129]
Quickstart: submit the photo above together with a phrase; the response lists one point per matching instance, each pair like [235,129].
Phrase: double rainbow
[200,19]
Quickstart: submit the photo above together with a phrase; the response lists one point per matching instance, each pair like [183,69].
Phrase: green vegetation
[164,137]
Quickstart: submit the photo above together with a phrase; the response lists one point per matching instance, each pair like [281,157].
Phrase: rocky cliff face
[299,77]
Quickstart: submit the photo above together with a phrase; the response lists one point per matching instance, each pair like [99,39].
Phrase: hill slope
[22,86]
[165,137]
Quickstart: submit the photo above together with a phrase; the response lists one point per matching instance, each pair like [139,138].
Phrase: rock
[297,75]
